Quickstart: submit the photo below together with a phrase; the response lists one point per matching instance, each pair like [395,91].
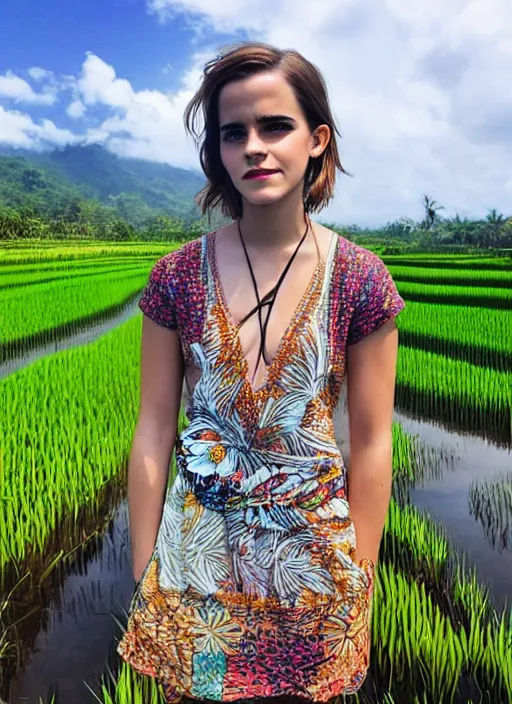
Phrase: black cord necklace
[270,297]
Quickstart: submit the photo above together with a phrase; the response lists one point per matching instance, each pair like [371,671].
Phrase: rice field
[450,261]
[56,459]
[496,278]
[483,337]
[455,391]
[441,629]
[32,309]
[466,295]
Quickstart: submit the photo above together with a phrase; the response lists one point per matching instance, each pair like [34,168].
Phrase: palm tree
[460,230]
[494,217]
[493,230]
[431,216]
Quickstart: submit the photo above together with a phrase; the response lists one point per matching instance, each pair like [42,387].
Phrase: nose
[254,145]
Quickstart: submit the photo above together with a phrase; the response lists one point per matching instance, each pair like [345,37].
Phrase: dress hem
[263,695]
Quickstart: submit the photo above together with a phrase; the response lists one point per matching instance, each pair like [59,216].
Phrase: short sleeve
[377,300]
[157,298]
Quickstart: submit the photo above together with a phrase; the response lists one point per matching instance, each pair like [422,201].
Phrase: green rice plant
[466,590]
[66,429]
[42,252]
[497,278]
[128,687]
[458,295]
[42,307]
[455,392]
[66,426]
[446,261]
[415,642]
[441,580]
[405,449]
[418,546]
[481,336]
[416,462]
[27,275]
[423,539]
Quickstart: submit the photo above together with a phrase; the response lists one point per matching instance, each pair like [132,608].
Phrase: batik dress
[253,589]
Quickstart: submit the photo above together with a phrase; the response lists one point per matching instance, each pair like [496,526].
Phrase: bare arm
[371,378]
[155,433]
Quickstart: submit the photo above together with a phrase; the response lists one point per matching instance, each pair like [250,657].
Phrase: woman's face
[262,126]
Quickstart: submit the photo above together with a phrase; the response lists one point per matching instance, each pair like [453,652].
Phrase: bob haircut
[307,83]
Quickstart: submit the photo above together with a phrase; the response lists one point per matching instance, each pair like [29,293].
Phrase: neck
[276,226]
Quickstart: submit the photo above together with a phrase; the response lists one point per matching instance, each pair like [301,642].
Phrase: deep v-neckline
[316,278]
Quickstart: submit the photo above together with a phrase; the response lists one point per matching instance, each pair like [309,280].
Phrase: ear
[320,139]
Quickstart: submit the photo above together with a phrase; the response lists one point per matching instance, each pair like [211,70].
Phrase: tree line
[23,224]
[434,232]
[88,220]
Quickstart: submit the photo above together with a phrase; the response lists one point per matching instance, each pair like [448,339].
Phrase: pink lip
[260,176]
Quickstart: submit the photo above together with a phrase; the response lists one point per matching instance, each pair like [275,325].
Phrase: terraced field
[441,629]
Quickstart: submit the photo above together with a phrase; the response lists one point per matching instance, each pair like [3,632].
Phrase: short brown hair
[248,59]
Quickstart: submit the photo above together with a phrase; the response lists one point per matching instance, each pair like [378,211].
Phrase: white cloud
[76,109]
[98,84]
[15,88]
[144,124]
[19,130]
[253,16]
[40,74]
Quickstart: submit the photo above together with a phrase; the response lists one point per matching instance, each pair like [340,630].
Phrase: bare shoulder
[225,235]
[323,231]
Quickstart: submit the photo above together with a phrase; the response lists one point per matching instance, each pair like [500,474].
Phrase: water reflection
[80,629]
[490,502]
[446,496]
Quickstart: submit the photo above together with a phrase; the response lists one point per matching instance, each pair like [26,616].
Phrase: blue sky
[58,33]
[418,90]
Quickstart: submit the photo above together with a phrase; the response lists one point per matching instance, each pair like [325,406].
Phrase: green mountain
[51,183]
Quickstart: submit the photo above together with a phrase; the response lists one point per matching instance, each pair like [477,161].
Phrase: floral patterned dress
[253,589]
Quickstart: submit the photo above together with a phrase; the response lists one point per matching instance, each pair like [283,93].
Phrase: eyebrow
[261,119]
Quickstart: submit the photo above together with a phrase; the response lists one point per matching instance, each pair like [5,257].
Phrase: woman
[251,584]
